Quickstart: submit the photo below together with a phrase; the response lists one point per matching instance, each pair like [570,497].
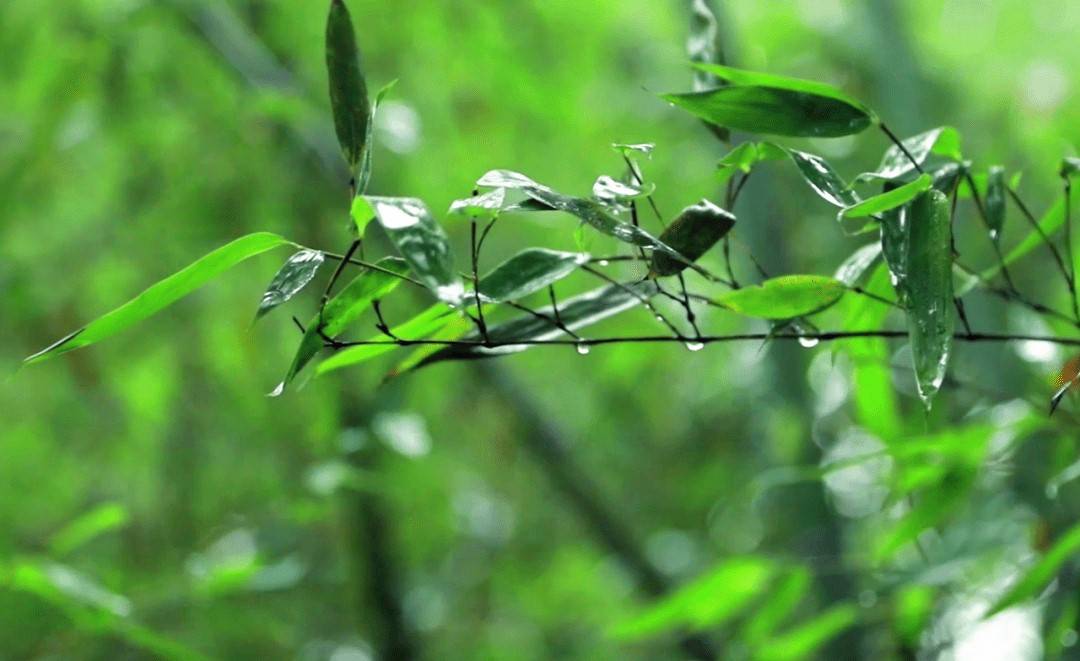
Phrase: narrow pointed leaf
[619,194]
[895,242]
[422,242]
[575,313]
[805,640]
[824,179]
[341,310]
[1035,580]
[888,200]
[629,150]
[361,213]
[348,90]
[853,268]
[995,201]
[785,297]
[292,277]
[692,234]
[943,140]
[419,327]
[164,293]
[930,293]
[744,157]
[703,47]
[809,87]
[482,207]
[527,272]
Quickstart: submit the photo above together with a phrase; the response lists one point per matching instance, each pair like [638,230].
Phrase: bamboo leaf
[943,140]
[292,277]
[419,327]
[785,297]
[745,156]
[703,46]
[619,194]
[163,294]
[1039,576]
[929,288]
[888,200]
[853,268]
[995,201]
[824,179]
[348,90]
[692,234]
[482,207]
[527,272]
[422,242]
[804,640]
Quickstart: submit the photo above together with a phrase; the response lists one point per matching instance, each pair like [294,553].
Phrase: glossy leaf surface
[422,242]
[619,194]
[703,47]
[164,293]
[943,140]
[692,234]
[853,268]
[348,90]
[930,292]
[995,201]
[785,297]
[292,277]
[529,271]
[744,157]
[888,200]
[484,206]
[824,179]
[809,87]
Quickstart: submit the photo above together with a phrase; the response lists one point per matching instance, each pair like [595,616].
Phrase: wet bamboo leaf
[895,242]
[348,90]
[422,242]
[944,140]
[777,105]
[630,150]
[947,178]
[853,268]
[703,47]
[929,289]
[164,293]
[824,179]
[744,157]
[786,297]
[341,310]
[692,234]
[361,214]
[1035,580]
[1070,166]
[419,327]
[933,507]
[483,207]
[619,194]
[576,313]
[805,640]
[722,594]
[888,200]
[292,277]
[783,599]
[98,521]
[995,201]
[527,272]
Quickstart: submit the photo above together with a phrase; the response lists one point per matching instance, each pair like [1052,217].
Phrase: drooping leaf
[888,200]
[709,601]
[348,90]
[703,46]
[895,242]
[824,179]
[777,105]
[930,292]
[995,201]
[943,140]
[527,272]
[575,313]
[804,640]
[419,327]
[422,242]
[341,310]
[483,207]
[1035,580]
[589,211]
[164,293]
[786,297]
[853,268]
[692,233]
[619,194]
[292,277]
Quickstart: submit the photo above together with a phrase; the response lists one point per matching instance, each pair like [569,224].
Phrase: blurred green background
[154,502]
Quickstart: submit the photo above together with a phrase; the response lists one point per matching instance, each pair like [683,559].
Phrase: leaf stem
[900,145]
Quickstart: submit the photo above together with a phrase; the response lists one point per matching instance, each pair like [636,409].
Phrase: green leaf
[876,405]
[913,609]
[348,91]
[803,641]
[692,234]
[703,46]
[853,268]
[745,156]
[361,213]
[98,521]
[422,242]
[809,87]
[888,200]
[482,207]
[528,271]
[824,179]
[164,293]
[341,310]
[575,313]
[929,288]
[944,140]
[933,507]
[727,590]
[419,327]
[292,277]
[785,297]
[1070,165]
[619,194]
[629,150]
[995,201]
[1035,580]
[783,599]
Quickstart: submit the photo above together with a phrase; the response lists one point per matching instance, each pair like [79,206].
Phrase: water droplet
[1052,491]
[808,342]
[604,262]
[695,346]
[582,349]
[660,318]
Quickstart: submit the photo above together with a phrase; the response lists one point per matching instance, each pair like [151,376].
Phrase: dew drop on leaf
[582,349]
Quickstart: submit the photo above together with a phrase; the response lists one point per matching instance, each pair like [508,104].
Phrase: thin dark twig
[691,318]
[1045,239]
[554,320]
[369,265]
[1015,296]
[986,223]
[900,145]
[476,281]
[298,324]
[641,182]
[738,189]
[1069,246]
[337,272]
[643,299]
